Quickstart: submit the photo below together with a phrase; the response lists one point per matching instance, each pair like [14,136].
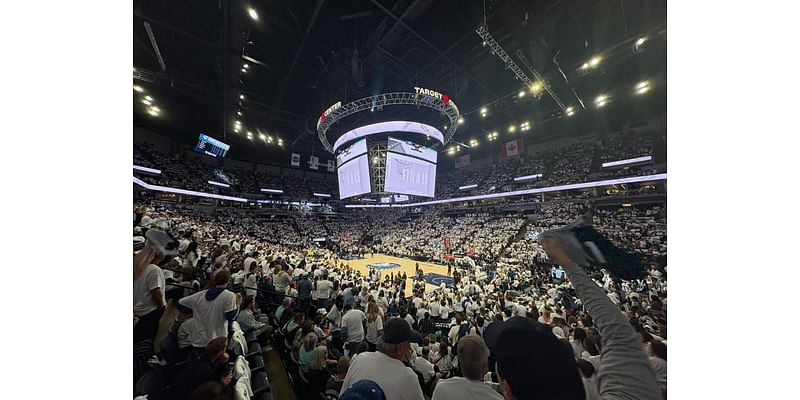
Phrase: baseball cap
[533,360]
[396,330]
[364,389]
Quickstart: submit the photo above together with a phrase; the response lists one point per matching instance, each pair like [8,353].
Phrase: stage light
[236,129]
[445,127]
[512,128]
[138,88]
[147,102]
[246,66]
[239,113]
[601,100]
[484,43]
[241,97]
[244,70]
[521,93]
[585,66]
[570,111]
[460,120]
[536,87]
[594,61]
[641,41]
[154,111]
[148,98]
[269,139]
[253,13]
[642,87]
[262,136]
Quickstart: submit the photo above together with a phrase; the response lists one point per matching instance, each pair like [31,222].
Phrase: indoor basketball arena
[411,199]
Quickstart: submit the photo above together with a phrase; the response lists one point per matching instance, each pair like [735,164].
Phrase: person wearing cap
[473,358]
[386,366]
[531,362]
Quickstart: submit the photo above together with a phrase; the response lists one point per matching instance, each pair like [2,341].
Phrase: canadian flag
[513,148]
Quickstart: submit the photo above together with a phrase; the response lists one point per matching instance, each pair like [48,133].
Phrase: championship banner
[295,160]
[313,162]
[512,148]
[462,161]
[330,166]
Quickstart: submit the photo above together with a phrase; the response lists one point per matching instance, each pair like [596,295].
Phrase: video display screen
[354,177]
[412,149]
[409,175]
[350,152]
[211,147]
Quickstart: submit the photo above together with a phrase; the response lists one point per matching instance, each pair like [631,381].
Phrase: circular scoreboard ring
[423,98]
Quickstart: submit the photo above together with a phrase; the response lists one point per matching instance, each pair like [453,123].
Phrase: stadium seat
[259,382]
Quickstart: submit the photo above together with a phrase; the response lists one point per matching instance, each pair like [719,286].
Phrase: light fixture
[244,69]
[269,139]
[236,129]
[246,66]
[484,43]
[262,136]
[253,13]
[460,120]
[642,87]
[445,127]
[239,113]
[241,96]
[138,88]
[154,111]
[585,66]
[536,87]
[148,98]
[512,128]
[601,100]
[594,61]
[521,93]
[147,102]
[570,111]
[641,41]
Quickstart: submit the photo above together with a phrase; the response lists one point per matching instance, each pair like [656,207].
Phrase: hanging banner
[463,161]
[512,148]
[330,166]
[295,160]
[313,162]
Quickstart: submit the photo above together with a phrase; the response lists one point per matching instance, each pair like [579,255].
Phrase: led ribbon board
[627,161]
[157,188]
[389,126]
[656,177]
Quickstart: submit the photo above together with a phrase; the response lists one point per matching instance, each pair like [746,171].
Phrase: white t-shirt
[397,381]
[151,278]
[424,367]
[459,388]
[373,328]
[324,288]
[209,315]
[351,321]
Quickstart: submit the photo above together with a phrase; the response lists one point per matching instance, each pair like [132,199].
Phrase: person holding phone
[149,284]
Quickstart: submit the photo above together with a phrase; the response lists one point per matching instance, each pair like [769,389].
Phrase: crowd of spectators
[341,331]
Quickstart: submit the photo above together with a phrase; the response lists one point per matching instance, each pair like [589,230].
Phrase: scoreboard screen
[211,147]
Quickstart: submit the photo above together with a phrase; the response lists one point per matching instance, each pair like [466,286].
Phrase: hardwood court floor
[406,265]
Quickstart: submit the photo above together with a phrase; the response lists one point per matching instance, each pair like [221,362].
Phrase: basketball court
[403,265]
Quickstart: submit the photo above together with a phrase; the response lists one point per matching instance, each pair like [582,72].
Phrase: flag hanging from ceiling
[330,166]
[295,160]
[313,162]
[512,148]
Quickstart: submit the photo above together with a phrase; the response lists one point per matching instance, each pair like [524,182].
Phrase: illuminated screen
[211,147]
[409,175]
[412,149]
[390,126]
[354,177]
[350,152]
[353,170]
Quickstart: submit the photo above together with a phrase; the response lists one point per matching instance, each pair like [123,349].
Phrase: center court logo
[384,265]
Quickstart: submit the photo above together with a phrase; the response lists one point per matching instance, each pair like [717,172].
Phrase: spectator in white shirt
[473,358]
[352,325]
[212,309]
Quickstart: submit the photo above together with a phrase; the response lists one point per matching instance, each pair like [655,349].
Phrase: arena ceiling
[303,56]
